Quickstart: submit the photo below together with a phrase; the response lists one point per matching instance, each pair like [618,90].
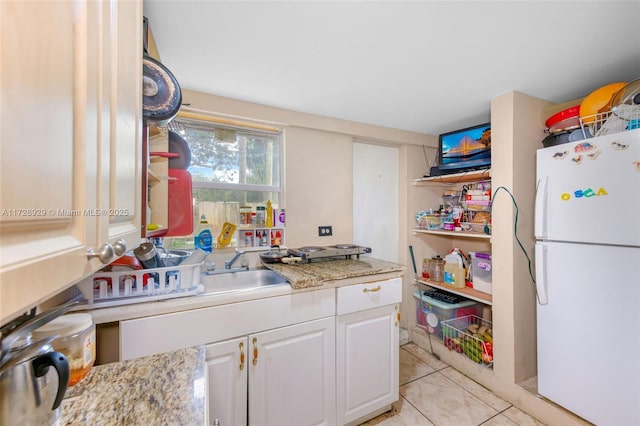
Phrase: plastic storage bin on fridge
[481,271]
[430,312]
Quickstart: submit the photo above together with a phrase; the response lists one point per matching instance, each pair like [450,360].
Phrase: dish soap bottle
[204,236]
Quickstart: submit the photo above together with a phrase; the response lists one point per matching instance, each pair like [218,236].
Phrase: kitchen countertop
[168,389]
[301,277]
[317,273]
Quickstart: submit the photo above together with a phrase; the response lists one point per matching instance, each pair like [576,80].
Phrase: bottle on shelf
[260,216]
[269,215]
[204,236]
[454,270]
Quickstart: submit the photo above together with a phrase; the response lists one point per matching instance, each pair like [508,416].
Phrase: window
[231,168]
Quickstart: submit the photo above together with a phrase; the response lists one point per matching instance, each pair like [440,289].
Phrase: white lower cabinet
[367,364]
[292,375]
[367,351]
[282,377]
[227,375]
[321,357]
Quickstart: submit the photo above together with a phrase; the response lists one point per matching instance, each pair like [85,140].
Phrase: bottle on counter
[203,238]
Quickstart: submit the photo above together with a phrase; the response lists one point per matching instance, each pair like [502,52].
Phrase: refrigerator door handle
[541,207]
[541,278]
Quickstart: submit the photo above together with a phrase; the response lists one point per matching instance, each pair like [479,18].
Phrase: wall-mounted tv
[465,149]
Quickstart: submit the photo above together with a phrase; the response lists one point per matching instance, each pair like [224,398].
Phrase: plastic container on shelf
[480,271]
[431,312]
[454,271]
[76,340]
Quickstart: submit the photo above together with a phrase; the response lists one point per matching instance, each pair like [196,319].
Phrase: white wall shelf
[467,292]
[453,234]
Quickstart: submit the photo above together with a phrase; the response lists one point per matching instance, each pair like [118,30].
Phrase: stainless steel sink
[251,279]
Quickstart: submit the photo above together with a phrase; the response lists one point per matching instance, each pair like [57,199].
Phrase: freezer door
[589,191]
[589,331]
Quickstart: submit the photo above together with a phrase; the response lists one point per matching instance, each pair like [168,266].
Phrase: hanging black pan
[179,146]
[161,94]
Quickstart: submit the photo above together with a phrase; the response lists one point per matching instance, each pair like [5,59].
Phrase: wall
[318,190]
[318,164]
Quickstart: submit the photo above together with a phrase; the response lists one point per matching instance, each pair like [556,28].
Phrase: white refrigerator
[587,255]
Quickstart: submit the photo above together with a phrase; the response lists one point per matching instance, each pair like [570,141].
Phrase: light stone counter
[164,389]
[318,273]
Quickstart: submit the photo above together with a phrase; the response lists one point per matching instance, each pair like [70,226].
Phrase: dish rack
[626,117]
[458,335]
[104,289]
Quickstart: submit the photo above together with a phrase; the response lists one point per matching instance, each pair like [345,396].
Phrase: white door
[589,331]
[376,208]
[367,354]
[120,123]
[227,374]
[588,191]
[292,375]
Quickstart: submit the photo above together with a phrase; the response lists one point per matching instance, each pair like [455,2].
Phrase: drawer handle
[371,290]
[255,351]
[241,356]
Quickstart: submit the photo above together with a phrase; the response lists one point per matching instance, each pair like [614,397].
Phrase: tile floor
[432,393]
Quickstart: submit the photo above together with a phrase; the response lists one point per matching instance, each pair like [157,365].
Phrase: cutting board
[180,203]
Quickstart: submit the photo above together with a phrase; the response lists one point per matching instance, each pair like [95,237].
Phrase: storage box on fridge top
[431,312]
[481,271]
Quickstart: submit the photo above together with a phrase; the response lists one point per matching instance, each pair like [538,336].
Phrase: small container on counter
[76,340]
[148,256]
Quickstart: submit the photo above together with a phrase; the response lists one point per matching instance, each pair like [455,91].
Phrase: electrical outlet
[325,231]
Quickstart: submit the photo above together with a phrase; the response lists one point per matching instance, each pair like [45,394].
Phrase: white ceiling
[423,66]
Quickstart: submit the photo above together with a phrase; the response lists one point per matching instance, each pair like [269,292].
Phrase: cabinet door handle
[397,315]
[120,247]
[371,290]
[105,254]
[241,356]
[255,351]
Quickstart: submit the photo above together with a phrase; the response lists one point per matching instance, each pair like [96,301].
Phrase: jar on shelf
[245,215]
[76,340]
[426,263]
[436,269]
[261,215]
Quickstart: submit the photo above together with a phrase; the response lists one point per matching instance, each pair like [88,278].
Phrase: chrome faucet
[230,262]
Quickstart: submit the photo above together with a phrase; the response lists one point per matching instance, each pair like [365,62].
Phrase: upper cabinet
[71,143]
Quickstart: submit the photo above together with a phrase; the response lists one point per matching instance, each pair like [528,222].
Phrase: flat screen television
[465,149]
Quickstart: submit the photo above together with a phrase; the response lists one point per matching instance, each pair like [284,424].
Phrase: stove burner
[344,251]
[344,246]
[311,249]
